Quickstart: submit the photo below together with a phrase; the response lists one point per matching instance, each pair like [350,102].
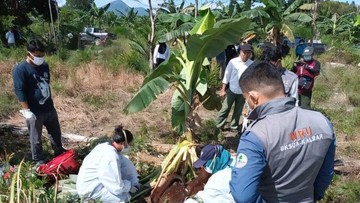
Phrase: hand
[28,114]
[134,189]
[222,93]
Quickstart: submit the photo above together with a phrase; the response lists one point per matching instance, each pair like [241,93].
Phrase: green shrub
[8,104]
[100,101]
[343,189]
[80,56]
[137,62]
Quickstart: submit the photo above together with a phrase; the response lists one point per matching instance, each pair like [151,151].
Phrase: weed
[137,62]
[208,132]
[99,101]
[8,104]
[343,189]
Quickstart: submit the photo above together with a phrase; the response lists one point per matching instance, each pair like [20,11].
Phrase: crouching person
[106,174]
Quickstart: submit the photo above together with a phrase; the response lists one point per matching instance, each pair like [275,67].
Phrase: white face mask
[125,150]
[247,105]
[37,60]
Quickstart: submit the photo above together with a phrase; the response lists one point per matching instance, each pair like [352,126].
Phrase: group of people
[105,174]
[298,82]
[286,154]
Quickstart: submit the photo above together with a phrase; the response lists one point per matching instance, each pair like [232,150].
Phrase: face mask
[208,169]
[125,150]
[307,58]
[37,60]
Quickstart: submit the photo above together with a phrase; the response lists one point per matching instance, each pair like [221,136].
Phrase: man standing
[31,84]
[231,88]
[306,71]
[287,153]
[10,37]
[290,79]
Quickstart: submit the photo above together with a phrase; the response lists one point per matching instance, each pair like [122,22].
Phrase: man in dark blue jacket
[287,153]
[31,84]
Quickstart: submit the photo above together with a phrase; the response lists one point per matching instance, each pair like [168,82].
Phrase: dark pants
[230,99]
[305,100]
[51,122]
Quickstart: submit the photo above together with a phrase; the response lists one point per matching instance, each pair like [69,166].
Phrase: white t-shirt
[10,37]
[164,56]
[233,72]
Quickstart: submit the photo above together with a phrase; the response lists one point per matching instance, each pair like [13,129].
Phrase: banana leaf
[147,94]
[215,40]
[300,17]
[204,24]
[166,68]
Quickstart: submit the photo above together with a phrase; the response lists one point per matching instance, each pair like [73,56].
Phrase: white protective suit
[106,175]
[216,190]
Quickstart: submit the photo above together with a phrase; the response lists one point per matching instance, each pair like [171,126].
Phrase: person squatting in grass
[231,88]
[32,88]
[287,153]
[307,69]
[106,174]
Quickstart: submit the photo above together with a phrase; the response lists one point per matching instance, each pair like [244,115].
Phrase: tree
[185,70]
[84,5]
[276,18]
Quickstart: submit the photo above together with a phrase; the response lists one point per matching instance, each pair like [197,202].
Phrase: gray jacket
[286,155]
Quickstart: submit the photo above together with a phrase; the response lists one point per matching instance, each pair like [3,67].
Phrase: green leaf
[254,13]
[286,30]
[295,5]
[216,39]
[204,24]
[147,94]
[300,17]
[178,115]
[202,83]
[165,69]
[269,3]
[357,22]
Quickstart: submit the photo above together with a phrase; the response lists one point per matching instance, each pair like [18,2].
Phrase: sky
[143,3]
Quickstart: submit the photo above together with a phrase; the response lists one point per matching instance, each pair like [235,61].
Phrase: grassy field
[92,86]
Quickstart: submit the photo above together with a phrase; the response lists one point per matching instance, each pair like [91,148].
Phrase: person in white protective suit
[106,174]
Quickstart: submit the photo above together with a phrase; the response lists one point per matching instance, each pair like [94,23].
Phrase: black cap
[246,47]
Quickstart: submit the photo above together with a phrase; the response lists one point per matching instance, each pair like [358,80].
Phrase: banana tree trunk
[151,36]
[313,24]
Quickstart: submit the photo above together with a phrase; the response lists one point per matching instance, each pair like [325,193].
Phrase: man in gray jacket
[287,153]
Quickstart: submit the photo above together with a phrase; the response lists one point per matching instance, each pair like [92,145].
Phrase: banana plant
[184,70]
[275,16]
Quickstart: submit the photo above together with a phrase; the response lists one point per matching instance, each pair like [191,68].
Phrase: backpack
[64,164]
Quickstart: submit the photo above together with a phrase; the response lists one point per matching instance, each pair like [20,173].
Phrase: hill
[119,5]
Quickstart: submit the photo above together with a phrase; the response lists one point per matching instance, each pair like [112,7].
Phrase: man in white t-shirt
[161,54]
[10,37]
[232,90]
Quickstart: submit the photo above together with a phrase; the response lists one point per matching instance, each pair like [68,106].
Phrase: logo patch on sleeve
[241,160]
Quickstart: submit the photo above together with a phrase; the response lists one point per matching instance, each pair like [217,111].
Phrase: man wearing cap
[287,153]
[231,88]
[306,70]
